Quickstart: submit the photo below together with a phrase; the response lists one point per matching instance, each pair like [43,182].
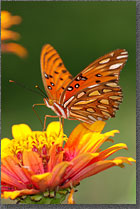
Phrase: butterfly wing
[94,94]
[54,74]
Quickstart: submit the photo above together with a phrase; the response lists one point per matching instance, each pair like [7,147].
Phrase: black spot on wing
[98,81]
[49,87]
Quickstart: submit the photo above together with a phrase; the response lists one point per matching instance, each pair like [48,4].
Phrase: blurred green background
[80,32]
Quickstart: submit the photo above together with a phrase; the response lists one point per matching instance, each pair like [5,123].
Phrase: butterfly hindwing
[97,103]
[94,93]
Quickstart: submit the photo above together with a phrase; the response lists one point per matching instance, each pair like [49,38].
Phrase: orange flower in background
[7,20]
[37,166]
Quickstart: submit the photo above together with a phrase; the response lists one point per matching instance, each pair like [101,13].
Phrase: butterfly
[93,94]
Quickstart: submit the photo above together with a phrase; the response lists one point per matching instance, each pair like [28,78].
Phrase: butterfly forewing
[54,74]
[94,93]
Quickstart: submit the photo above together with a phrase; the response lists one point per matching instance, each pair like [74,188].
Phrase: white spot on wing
[104,61]
[112,67]
[99,118]
[80,94]
[123,56]
[91,117]
[125,52]
[93,86]
[68,101]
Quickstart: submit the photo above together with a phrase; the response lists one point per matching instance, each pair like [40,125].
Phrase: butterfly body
[94,94]
[57,108]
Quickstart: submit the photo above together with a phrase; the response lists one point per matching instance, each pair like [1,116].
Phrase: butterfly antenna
[23,86]
[36,86]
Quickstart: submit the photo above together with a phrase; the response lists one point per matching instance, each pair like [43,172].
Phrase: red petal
[58,173]
[78,163]
[9,179]
[12,165]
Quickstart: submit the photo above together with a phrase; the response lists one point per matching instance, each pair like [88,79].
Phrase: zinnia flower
[7,20]
[43,167]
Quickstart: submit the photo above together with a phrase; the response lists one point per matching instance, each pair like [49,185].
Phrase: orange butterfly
[94,94]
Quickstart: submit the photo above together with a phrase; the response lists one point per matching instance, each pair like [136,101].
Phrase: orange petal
[7,20]
[101,166]
[13,167]
[70,197]
[109,151]
[9,178]
[58,173]
[52,154]
[7,34]
[81,130]
[17,193]
[14,48]
[55,157]
[51,180]
[78,163]
[33,162]
[42,180]
[97,141]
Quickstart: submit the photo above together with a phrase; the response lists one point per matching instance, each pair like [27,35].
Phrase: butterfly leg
[61,120]
[33,107]
[49,116]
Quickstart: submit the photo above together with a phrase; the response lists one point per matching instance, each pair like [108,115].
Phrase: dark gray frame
[104,206]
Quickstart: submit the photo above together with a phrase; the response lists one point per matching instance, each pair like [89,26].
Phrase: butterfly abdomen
[57,108]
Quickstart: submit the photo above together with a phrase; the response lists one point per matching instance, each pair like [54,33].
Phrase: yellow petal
[55,130]
[5,143]
[21,131]
[119,160]
[15,194]
[82,129]
[95,127]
